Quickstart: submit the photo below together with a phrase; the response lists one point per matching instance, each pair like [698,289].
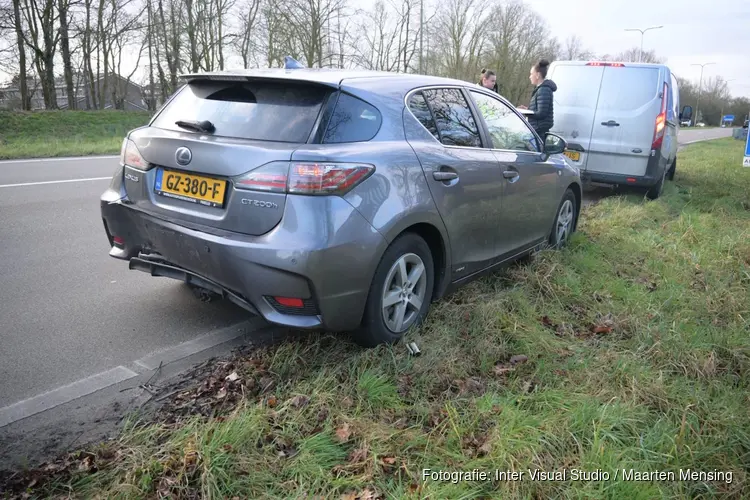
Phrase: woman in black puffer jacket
[541,99]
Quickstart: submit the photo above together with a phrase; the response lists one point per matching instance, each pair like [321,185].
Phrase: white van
[620,121]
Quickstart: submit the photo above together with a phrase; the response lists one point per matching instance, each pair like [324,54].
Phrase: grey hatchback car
[336,200]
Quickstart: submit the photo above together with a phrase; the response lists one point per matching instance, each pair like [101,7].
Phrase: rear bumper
[654,171]
[329,268]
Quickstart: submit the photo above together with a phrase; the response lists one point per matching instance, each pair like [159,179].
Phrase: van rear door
[627,108]
[575,106]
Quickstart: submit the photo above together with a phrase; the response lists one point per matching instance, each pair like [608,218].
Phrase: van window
[628,88]
[675,97]
[577,86]
[262,111]
[354,120]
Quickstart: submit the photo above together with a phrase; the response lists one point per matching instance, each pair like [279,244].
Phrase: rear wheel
[655,191]
[672,169]
[400,293]
[565,221]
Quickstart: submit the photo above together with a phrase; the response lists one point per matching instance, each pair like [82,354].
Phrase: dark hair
[541,67]
[486,73]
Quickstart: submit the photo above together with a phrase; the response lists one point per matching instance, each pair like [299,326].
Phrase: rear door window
[577,86]
[353,120]
[248,110]
[628,88]
[453,117]
[419,108]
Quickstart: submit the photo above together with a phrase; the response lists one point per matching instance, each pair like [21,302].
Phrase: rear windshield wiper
[204,126]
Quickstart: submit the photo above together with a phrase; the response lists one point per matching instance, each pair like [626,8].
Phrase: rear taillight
[130,156]
[661,121]
[305,178]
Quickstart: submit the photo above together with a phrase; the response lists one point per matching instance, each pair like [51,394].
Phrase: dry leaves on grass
[343,433]
[368,493]
[603,325]
[503,368]
[471,385]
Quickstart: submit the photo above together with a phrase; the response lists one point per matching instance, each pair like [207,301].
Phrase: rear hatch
[194,172]
[575,106]
[623,130]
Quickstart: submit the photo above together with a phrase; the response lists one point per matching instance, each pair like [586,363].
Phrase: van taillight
[661,121]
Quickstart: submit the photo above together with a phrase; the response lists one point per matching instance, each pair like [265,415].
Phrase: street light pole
[700,90]
[642,32]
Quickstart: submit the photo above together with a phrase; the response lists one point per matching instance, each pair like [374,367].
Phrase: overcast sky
[695,31]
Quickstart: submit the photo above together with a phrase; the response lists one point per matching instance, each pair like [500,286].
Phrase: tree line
[83,42]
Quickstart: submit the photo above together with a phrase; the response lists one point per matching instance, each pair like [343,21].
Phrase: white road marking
[67,158]
[55,182]
[64,394]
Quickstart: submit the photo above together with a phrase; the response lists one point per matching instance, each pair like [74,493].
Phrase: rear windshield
[260,111]
[577,86]
[626,89]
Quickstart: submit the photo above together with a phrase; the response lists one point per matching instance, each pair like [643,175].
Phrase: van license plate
[573,155]
[189,187]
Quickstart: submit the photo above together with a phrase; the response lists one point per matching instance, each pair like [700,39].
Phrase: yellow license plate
[190,187]
[573,155]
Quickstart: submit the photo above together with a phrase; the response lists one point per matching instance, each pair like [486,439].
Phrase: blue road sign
[728,118]
[746,160]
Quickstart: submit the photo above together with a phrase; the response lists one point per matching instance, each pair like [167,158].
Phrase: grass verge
[628,351]
[42,134]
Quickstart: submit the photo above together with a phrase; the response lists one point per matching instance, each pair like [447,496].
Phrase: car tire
[672,169]
[565,221]
[654,192]
[380,321]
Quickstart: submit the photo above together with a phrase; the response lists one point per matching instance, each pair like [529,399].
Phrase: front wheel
[400,293]
[565,221]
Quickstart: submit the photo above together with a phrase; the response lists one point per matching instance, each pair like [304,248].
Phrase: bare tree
[573,49]
[249,31]
[634,55]
[40,18]
[309,21]
[23,85]
[462,27]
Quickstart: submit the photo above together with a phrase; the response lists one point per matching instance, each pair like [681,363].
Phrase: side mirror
[554,144]
[686,113]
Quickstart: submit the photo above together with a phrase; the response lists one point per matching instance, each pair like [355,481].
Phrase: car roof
[329,77]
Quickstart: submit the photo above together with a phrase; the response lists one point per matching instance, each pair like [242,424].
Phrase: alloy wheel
[404,292]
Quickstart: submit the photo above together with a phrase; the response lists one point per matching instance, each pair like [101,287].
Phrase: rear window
[626,89]
[259,111]
[353,120]
[577,86]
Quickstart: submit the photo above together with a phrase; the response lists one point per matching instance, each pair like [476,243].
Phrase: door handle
[444,176]
[510,174]
[611,123]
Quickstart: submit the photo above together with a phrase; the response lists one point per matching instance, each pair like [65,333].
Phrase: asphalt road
[688,135]
[68,309]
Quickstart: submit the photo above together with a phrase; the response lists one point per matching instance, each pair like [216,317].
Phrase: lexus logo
[183,155]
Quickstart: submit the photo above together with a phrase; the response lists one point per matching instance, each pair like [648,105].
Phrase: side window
[453,118]
[419,108]
[353,120]
[507,130]
[670,101]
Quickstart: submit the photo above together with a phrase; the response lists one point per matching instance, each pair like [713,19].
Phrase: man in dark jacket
[542,101]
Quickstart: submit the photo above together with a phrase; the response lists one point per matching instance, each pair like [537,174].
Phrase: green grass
[662,386]
[41,134]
